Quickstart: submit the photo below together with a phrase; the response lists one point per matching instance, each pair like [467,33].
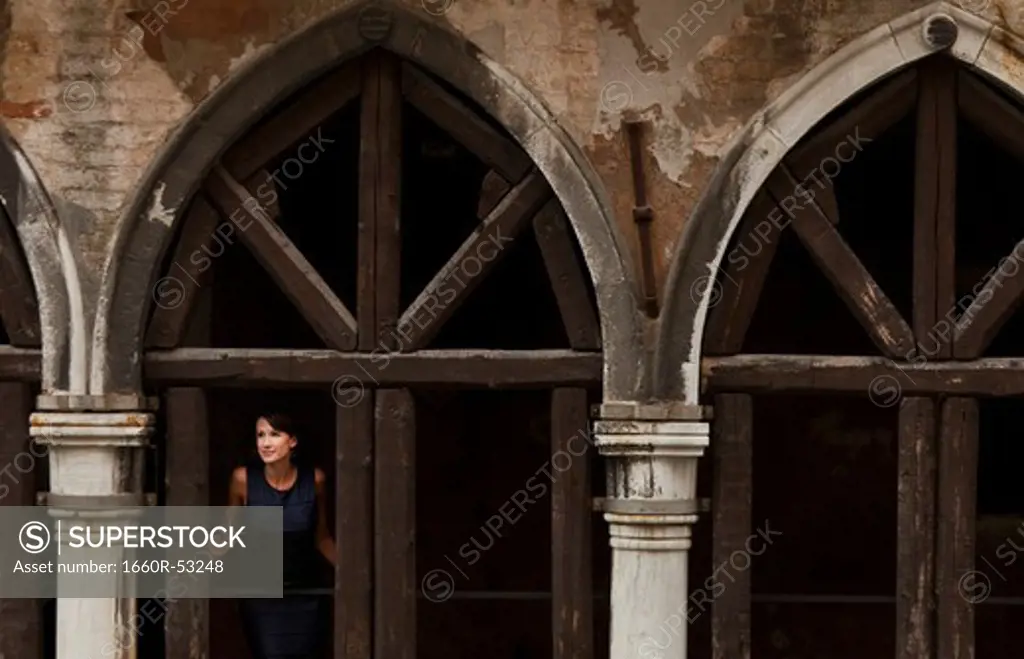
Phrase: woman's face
[272,444]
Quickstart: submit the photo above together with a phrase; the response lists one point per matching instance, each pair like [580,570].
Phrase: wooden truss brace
[245,162]
[285,263]
[504,210]
[464,124]
[565,272]
[765,219]
[1001,295]
[484,247]
[848,275]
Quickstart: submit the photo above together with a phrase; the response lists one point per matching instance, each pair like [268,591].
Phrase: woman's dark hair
[281,422]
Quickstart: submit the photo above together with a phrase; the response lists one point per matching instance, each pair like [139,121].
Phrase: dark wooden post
[572,596]
[395,522]
[187,472]
[915,523]
[187,630]
[395,431]
[957,483]
[353,580]
[732,453]
[20,619]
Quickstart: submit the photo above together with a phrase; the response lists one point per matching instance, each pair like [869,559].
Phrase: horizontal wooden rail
[882,379]
[20,364]
[353,372]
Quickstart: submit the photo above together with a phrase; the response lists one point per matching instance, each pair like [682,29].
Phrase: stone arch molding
[766,139]
[53,268]
[158,204]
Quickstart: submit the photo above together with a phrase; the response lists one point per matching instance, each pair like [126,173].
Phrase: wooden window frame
[938,414]
[376,443]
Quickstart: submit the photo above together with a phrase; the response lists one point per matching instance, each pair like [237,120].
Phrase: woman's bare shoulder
[239,475]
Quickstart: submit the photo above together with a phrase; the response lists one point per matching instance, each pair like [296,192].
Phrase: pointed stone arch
[41,304]
[768,137]
[147,226]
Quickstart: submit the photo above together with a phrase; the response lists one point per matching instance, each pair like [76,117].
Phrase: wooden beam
[369,157]
[474,259]
[915,534]
[395,581]
[568,277]
[188,484]
[21,620]
[998,299]
[748,264]
[868,119]
[203,240]
[732,521]
[234,367]
[957,485]
[388,194]
[353,579]
[814,184]
[464,124]
[572,596]
[306,112]
[883,379]
[18,307]
[866,122]
[848,275]
[493,189]
[20,364]
[990,113]
[935,207]
[284,262]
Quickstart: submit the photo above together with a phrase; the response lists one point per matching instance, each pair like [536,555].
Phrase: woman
[287,628]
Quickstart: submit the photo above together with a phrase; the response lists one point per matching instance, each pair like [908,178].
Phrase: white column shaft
[95,454]
[652,479]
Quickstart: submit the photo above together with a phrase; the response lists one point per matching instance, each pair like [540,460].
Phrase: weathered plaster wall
[92,88]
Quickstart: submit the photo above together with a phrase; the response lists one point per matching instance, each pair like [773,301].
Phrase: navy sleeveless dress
[287,628]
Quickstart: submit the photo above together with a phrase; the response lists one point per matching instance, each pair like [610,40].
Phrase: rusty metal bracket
[643,215]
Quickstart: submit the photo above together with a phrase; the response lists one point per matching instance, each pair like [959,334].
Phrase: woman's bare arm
[236,497]
[324,541]
[236,491]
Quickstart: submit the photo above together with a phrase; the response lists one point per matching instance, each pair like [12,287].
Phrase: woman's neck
[280,472]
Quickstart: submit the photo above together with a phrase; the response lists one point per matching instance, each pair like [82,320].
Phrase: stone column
[97,448]
[652,453]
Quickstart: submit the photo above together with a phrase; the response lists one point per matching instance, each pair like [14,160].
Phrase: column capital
[661,438]
[92,429]
[652,477]
[56,402]
[666,410]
